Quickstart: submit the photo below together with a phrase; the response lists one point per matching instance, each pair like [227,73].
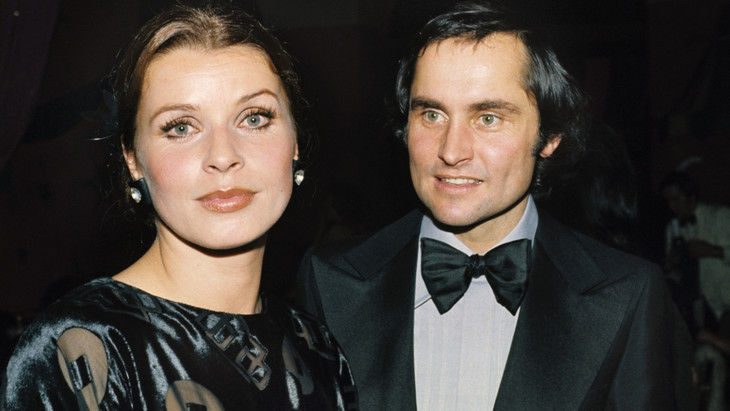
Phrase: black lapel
[376,281]
[377,251]
[568,322]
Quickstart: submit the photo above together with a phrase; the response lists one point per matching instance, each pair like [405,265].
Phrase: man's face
[472,129]
[681,205]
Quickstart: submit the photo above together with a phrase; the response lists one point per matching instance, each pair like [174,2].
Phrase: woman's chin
[224,248]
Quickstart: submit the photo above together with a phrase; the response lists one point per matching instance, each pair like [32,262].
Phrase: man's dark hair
[560,103]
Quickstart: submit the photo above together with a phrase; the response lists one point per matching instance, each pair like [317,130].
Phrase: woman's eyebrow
[172,107]
[255,94]
[192,107]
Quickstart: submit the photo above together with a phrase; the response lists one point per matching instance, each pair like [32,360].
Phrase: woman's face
[215,142]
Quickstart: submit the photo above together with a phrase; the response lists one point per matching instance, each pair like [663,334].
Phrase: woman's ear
[131,159]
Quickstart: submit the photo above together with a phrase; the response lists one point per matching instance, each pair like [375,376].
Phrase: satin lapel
[379,288]
[374,254]
[568,322]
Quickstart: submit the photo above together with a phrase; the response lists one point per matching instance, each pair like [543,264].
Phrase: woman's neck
[217,281]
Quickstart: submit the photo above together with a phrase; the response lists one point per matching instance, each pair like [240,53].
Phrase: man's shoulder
[589,262]
[611,257]
[383,244]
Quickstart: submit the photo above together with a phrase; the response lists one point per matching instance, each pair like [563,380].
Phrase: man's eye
[432,116]
[488,119]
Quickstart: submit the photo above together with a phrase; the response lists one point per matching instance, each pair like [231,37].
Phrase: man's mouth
[460,181]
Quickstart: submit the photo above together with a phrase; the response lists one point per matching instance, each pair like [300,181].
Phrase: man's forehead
[497,61]
[477,44]
[508,46]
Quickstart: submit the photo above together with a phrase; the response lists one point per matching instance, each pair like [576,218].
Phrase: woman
[207,104]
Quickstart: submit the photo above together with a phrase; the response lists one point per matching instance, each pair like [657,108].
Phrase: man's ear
[131,159]
[551,145]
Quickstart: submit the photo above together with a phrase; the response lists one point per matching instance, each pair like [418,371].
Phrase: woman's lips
[227,201]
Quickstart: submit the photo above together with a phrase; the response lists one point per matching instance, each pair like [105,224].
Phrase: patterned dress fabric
[110,346]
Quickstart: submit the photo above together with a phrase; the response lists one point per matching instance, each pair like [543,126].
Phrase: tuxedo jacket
[596,329]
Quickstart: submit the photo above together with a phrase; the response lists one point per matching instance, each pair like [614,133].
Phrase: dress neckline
[122,285]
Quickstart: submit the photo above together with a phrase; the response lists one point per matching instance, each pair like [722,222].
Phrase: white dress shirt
[460,356]
[713,226]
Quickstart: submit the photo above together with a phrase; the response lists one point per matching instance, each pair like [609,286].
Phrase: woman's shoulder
[102,311]
[94,307]
[100,301]
[64,345]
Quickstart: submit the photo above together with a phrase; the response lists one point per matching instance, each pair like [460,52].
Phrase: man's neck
[519,222]
[483,237]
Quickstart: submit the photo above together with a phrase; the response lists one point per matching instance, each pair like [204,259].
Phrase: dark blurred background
[658,73]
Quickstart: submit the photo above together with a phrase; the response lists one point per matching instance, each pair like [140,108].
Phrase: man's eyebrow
[495,105]
[421,103]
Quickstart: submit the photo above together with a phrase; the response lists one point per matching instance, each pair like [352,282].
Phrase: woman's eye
[178,129]
[256,120]
[181,129]
[488,119]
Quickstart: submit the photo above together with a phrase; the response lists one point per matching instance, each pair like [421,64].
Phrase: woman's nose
[223,154]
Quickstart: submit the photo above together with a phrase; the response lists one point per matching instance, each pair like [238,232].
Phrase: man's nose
[457,144]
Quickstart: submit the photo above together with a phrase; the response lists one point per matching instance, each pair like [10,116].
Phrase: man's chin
[455,222]
[460,220]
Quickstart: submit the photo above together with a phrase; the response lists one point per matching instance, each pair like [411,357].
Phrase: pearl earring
[298,177]
[139,192]
[135,194]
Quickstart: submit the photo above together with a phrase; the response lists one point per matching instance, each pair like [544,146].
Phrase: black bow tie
[447,272]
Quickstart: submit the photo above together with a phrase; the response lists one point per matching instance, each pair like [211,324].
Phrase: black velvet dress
[110,346]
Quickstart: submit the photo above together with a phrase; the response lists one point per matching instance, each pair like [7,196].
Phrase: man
[699,232]
[698,263]
[487,112]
